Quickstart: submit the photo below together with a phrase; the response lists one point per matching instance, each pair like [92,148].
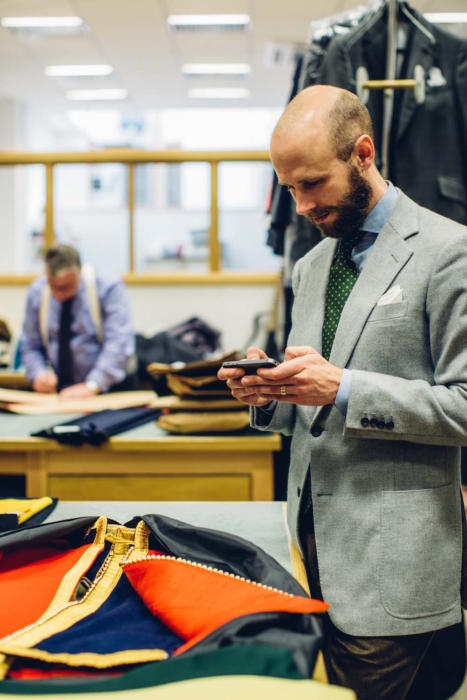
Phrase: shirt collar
[377,217]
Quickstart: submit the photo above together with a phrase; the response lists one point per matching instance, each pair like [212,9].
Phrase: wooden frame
[130,158]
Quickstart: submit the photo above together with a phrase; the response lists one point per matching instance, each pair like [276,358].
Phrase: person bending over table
[77,337]
[373,390]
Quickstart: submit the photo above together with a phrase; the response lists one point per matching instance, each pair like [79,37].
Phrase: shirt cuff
[343,393]
[264,413]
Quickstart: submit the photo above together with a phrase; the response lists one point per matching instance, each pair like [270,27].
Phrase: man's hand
[249,395]
[45,383]
[76,391]
[304,378]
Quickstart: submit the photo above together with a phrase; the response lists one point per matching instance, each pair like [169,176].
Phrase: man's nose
[304,204]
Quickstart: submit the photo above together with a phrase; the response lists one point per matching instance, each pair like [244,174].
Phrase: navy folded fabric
[96,428]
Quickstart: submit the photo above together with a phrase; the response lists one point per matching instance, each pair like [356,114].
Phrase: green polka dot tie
[342,277]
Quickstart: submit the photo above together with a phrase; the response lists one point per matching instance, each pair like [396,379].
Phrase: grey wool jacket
[386,477]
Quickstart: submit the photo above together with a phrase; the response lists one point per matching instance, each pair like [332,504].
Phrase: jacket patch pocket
[388,311]
[420,558]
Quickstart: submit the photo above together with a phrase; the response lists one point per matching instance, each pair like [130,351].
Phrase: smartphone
[250,366]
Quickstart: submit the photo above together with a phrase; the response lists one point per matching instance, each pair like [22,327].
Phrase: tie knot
[348,244]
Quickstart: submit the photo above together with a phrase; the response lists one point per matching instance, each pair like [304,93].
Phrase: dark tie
[342,277]
[65,359]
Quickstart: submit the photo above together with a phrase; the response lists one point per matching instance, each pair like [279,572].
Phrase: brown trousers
[376,668]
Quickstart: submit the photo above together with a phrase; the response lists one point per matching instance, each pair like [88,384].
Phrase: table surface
[18,427]
[261,522]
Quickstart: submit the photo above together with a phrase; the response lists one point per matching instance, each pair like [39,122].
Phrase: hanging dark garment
[430,136]
[65,358]
[96,428]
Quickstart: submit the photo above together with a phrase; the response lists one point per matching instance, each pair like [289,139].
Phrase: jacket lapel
[387,257]
[315,295]
[421,52]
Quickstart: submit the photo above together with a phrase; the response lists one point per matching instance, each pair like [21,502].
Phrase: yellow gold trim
[72,577]
[130,656]
[5,663]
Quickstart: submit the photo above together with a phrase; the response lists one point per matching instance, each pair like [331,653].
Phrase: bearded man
[373,390]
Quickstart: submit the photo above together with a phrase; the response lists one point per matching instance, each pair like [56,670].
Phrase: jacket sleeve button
[365,422]
[373,422]
[316,431]
[390,425]
[381,424]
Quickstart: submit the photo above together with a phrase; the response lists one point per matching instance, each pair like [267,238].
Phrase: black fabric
[10,522]
[65,358]
[218,549]
[196,333]
[96,428]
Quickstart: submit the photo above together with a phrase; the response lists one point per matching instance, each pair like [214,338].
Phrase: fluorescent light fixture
[216,69]
[446,17]
[78,71]
[208,21]
[41,22]
[107,94]
[219,93]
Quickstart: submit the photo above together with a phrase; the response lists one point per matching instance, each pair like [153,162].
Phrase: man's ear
[364,151]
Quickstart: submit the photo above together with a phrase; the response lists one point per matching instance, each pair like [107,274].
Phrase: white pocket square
[392,296]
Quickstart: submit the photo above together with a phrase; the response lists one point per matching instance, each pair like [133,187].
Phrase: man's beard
[352,209]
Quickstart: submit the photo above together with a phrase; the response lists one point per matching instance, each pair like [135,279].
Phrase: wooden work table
[141,464]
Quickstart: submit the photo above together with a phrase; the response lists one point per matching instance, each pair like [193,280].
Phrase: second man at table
[77,336]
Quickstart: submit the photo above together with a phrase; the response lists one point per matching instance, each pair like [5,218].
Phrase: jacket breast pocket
[421,550]
[389,311]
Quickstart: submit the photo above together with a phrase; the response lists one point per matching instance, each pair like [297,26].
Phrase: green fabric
[342,277]
[248,659]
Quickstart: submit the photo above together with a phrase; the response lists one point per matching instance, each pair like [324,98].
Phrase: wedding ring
[283,390]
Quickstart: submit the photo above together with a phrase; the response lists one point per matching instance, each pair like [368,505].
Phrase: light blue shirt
[104,364]
[372,225]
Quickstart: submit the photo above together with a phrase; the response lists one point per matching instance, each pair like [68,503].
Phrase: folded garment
[199,368]
[197,386]
[96,428]
[15,512]
[205,422]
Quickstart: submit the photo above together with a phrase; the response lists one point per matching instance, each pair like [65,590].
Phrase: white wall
[229,308]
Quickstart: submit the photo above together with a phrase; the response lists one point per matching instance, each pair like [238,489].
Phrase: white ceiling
[133,36]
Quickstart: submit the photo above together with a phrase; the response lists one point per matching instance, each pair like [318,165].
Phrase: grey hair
[61,257]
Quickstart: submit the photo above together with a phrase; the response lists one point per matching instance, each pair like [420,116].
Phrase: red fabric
[193,601]
[30,674]
[29,580]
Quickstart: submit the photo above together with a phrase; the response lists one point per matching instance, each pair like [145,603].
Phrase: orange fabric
[193,600]
[29,580]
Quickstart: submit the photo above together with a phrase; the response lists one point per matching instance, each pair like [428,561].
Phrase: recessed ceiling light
[446,17]
[197,22]
[216,69]
[41,22]
[219,93]
[107,94]
[78,71]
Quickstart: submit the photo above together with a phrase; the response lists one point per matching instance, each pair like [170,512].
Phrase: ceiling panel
[133,36]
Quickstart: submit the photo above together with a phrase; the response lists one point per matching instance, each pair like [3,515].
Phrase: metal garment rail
[130,158]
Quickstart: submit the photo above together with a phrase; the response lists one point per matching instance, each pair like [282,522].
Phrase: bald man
[373,390]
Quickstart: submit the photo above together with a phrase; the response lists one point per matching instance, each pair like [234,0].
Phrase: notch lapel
[421,52]
[387,257]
